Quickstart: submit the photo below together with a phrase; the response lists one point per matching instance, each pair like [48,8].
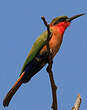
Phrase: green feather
[39,43]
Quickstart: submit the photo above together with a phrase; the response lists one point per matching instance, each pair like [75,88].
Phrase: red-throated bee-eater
[38,55]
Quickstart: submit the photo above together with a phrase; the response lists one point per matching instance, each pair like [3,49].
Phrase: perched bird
[38,55]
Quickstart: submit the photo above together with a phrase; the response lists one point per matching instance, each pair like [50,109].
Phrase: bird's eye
[60,20]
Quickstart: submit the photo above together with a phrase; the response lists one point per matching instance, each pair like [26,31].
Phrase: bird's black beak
[74,17]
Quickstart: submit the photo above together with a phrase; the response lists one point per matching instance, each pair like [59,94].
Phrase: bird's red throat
[61,27]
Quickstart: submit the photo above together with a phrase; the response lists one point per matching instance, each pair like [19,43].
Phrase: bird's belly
[54,43]
[54,46]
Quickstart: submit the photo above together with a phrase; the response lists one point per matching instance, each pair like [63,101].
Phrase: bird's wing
[37,46]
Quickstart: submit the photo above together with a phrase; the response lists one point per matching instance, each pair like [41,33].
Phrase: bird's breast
[54,43]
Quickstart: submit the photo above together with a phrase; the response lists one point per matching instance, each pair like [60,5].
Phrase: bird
[38,55]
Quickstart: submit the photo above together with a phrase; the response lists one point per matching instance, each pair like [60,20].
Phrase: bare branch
[77,103]
[49,67]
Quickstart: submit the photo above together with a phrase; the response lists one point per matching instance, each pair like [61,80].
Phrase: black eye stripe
[60,20]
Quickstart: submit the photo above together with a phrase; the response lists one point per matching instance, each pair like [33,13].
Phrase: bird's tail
[12,91]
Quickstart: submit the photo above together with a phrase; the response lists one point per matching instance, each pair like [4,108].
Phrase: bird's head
[63,22]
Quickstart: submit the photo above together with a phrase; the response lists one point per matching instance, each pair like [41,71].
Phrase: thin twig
[77,103]
[49,67]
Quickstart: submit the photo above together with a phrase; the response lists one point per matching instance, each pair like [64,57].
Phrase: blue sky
[20,24]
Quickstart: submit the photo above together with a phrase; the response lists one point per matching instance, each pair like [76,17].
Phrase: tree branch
[77,103]
[49,67]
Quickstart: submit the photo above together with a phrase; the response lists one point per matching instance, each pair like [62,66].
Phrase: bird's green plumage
[39,43]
